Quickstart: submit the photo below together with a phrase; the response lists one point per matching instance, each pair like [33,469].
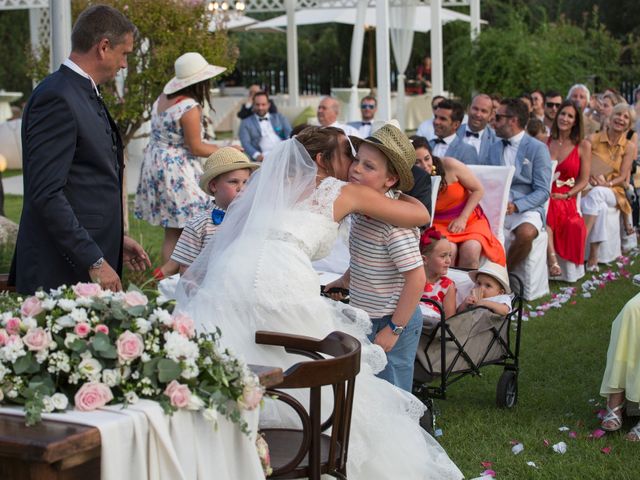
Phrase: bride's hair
[321,140]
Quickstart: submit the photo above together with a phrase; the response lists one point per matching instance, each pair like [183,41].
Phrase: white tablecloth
[141,442]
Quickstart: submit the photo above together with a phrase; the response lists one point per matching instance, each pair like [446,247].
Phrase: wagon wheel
[507,389]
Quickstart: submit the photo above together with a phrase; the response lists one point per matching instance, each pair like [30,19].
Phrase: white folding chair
[435,184]
[533,271]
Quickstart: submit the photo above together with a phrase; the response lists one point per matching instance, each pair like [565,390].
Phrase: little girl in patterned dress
[436,254]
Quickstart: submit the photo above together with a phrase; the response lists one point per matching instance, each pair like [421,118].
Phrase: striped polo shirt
[194,237]
[380,253]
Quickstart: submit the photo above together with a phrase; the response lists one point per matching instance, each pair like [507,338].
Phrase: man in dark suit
[71,229]
[262,131]
[447,118]
[476,132]
[531,182]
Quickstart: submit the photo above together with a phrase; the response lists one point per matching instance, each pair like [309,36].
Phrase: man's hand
[134,256]
[386,339]
[511,208]
[106,277]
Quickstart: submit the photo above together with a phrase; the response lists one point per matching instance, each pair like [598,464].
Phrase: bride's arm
[361,199]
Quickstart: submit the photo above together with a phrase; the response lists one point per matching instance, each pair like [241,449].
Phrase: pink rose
[102,328]
[178,394]
[4,337]
[13,326]
[129,346]
[251,397]
[37,339]
[31,307]
[82,329]
[183,324]
[133,299]
[92,395]
[87,289]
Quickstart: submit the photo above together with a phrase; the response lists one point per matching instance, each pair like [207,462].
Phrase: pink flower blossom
[183,324]
[37,339]
[92,395]
[129,346]
[134,299]
[4,337]
[31,307]
[102,328]
[13,326]
[82,329]
[178,394]
[251,397]
[87,289]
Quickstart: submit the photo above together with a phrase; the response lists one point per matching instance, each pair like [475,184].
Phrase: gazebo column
[437,82]
[60,17]
[292,54]
[383,60]
[475,18]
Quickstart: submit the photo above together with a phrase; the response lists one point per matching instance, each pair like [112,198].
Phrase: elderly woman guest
[458,214]
[621,379]
[567,145]
[616,153]
[168,193]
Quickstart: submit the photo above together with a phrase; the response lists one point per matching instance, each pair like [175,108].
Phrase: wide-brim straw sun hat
[223,160]
[191,68]
[494,270]
[397,147]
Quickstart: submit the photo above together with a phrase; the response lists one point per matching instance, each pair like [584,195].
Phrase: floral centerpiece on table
[88,347]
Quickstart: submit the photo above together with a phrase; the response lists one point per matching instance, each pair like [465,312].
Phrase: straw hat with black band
[397,147]
[495,271]
[223,160]
[191,68]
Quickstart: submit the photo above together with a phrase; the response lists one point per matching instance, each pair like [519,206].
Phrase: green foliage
[516,57]
[14,40]
[167,29]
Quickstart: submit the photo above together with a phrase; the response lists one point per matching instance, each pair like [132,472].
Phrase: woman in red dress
[567,145]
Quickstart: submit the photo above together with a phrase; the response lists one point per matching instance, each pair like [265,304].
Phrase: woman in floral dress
[168,193]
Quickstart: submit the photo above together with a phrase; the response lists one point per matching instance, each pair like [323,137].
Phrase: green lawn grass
[562,359]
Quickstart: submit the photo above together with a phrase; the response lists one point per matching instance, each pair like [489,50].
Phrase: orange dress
[449,205]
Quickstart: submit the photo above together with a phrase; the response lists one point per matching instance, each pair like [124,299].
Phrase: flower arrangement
[89,347]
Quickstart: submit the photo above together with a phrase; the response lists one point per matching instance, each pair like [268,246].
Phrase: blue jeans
[400,359]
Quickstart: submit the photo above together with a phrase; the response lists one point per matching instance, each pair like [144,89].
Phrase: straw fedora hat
[494,271]
[397,147]
[223,160]
[191,68]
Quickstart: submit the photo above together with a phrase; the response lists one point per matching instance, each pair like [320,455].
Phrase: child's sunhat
[494,270]
[223,160]
[397,147]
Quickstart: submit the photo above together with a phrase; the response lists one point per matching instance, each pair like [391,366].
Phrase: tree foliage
[167,29]
[517,57]
[14,39]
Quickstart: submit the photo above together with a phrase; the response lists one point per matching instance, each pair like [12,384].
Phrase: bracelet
[97,264]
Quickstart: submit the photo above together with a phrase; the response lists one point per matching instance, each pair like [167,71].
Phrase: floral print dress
[168,193]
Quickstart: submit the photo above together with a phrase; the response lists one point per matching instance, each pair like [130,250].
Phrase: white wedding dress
[258,276]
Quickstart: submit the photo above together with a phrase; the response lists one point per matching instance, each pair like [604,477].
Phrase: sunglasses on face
[367,106]
[553,105]
[500,116]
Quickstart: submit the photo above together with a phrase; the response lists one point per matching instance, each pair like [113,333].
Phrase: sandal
[593,268]
[634,434]
[613,418]
[554,267]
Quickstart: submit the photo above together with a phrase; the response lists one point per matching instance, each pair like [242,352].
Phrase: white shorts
[518,218]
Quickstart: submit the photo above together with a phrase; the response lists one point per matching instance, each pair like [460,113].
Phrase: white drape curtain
[357,42]
[401,16]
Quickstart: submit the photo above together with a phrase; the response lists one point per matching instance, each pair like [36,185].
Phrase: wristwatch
[97,264]
[395,329]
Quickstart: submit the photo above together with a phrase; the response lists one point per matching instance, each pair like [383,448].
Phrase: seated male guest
[552,102]
[476,131]
[531,183]
[425,129]
[247,108]
[447,119]
[328,112]
[368,109]
[262,131]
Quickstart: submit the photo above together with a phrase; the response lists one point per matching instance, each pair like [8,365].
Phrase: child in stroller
[491,289]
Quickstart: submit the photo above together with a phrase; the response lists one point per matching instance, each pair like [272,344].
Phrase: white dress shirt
[347,129]
[441,148]
[426,130]
[365,130]
[509,152]
[472,140]
[268,136]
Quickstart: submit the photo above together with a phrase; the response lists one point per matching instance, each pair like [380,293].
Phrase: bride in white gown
[256,275]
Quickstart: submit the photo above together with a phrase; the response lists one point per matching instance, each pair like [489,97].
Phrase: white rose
[210,414]
[66,304]
[40,294]
[30,322]
[84,301]
[48,404]
[164,317]
[60,401]
[131,397]
[190,371]
[89,367]
[195,403]
[143,325]
[65,321]
[110,377]
[78,314]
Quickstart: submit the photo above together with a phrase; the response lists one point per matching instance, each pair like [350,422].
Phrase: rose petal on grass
[573,435]
[517,448]
[563,429]
[532,464]
[597,433]
[546,442]
[489,473]
[486,464]
[437,433]
[606,450]
[560,448]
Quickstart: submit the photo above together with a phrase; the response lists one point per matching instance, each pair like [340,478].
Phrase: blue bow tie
[217,216]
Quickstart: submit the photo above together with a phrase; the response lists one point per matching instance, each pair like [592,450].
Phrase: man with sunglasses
[368,109]
[552,102]
[531,182]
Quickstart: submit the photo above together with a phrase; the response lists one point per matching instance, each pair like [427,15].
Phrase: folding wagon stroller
[452,349]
